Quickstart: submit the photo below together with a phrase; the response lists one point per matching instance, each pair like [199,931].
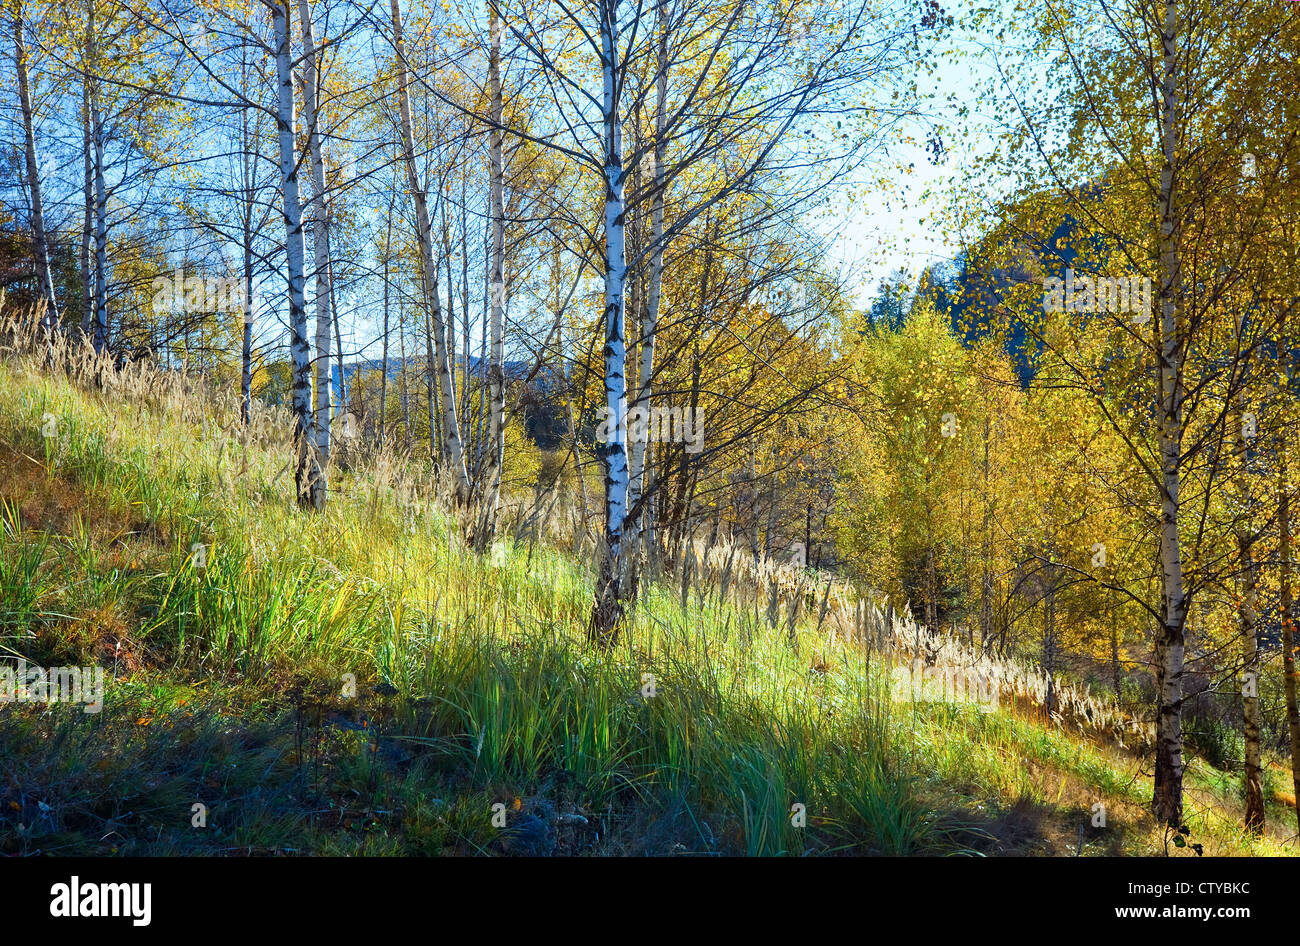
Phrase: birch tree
[608,608]
[739,94]
[497,286]
[322,271]
[40,243]
[1170,645]
[1137,161]
[654,294]
[99,330]
[308,476]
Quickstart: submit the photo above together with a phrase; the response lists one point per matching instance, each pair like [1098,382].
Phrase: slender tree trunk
[40,244]
[1167,797]
[308,476]
[480,407]
[246,354]
[986,538]
[320,234]
[1289,678]
[1249,618]
[451,347]
[88,209]
[1246,611]
[464,287]
[608,609]
[437,452]
[248,181]
[462,382]
[383,376]
[1049,646]
[99,199]
[452,447]
[640,459]
[101,226]
[496,377]
[1114,653]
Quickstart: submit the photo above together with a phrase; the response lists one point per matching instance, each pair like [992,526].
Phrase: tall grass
[193,571]
[484,656]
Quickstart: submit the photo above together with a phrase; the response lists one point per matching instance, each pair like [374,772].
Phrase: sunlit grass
[234,625]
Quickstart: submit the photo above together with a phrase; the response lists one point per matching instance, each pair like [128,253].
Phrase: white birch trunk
[383,377]
[640,457]
[309,478]
[1253,776]
[101,226]
[87,190]
[1167,800]
[613,452]
[496,365]
[249,197]
[1248,616]
[246,349]
[320,233]
[98,294]
[40,245]
[1290,682]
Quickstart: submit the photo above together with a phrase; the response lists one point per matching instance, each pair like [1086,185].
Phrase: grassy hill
[360,682]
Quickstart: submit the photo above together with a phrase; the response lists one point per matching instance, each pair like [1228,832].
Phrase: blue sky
[885,231]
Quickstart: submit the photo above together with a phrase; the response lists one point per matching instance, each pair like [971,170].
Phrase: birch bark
[101,225]
[1167,799]
[1289,673]
[496,364]
[87,195]
[40,245]
[639,528]
[320,233]
[608,608]
[309,478]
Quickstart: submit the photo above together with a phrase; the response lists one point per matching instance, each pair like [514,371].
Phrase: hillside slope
[360,682]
